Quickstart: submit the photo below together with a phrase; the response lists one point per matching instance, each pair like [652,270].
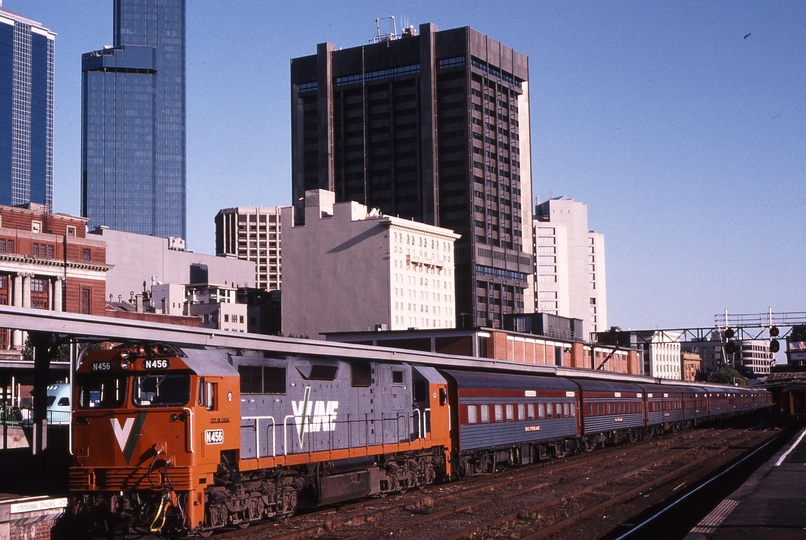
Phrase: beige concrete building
[350,269]
[140,261]
[570,264]
[252,234]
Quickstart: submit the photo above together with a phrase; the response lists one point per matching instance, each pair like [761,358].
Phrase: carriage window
[521,415]
[549,410]
[566,410]
[471,414]
[485,413]
[499,413]
[559,409]
[573,409]
[161,390]
[101,392]
[531,410]
[510,412]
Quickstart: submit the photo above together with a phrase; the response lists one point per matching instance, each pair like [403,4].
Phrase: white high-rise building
[350,269]
[569,264]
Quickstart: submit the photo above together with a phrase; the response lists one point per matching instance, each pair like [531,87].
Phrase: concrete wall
[137,257]
[335,278]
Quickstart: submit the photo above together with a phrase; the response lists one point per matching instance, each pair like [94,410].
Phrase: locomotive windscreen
[161,390]
[101,392]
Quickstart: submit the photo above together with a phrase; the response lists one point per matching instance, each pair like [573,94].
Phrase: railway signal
[730,346]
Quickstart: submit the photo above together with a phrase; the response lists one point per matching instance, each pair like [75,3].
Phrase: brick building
[47,262]
[519,347]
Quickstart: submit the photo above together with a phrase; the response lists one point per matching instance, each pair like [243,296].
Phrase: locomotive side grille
[127,478]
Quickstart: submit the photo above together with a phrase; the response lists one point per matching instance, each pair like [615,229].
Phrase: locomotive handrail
[426,414]
[419,419]
[285,431]
[189,436]
[256,425]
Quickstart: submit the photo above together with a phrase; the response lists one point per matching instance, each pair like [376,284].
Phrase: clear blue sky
[686,140]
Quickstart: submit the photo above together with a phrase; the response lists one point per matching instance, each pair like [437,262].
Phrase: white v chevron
[122,433]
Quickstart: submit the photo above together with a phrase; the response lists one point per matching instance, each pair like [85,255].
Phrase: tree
[728,376]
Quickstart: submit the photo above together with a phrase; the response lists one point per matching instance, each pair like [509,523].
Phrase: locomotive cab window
[101,392]
[161,390]
[420,391]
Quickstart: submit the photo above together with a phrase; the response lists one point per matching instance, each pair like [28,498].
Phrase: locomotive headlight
[174,417]
[125,364]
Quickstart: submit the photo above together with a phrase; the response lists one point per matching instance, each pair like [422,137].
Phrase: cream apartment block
[351,269]
[569,264]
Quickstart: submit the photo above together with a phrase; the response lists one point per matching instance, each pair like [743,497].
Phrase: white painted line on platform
[782,458]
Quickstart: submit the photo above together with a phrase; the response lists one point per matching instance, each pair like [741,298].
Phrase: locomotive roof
[208,362]
[465,379]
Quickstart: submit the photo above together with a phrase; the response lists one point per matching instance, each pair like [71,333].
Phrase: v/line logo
[314,416]
[126,434]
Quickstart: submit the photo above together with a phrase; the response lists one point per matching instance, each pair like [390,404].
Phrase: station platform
[28,517]
[771,504]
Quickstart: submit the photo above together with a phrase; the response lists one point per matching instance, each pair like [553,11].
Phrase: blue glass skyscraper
[26,110]
[133,122]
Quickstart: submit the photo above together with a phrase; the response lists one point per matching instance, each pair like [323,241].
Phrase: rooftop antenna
[388,36]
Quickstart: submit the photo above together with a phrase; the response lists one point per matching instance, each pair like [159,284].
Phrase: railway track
[531,502]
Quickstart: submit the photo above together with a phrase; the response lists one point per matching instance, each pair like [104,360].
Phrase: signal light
[775,346]
[729,333]
[730,347]
[774,331]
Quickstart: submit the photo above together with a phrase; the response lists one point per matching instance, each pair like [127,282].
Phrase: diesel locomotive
[184,441]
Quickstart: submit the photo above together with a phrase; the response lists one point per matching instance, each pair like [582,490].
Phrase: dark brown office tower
[431,126]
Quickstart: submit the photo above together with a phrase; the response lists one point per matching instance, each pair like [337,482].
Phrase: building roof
[21,18]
